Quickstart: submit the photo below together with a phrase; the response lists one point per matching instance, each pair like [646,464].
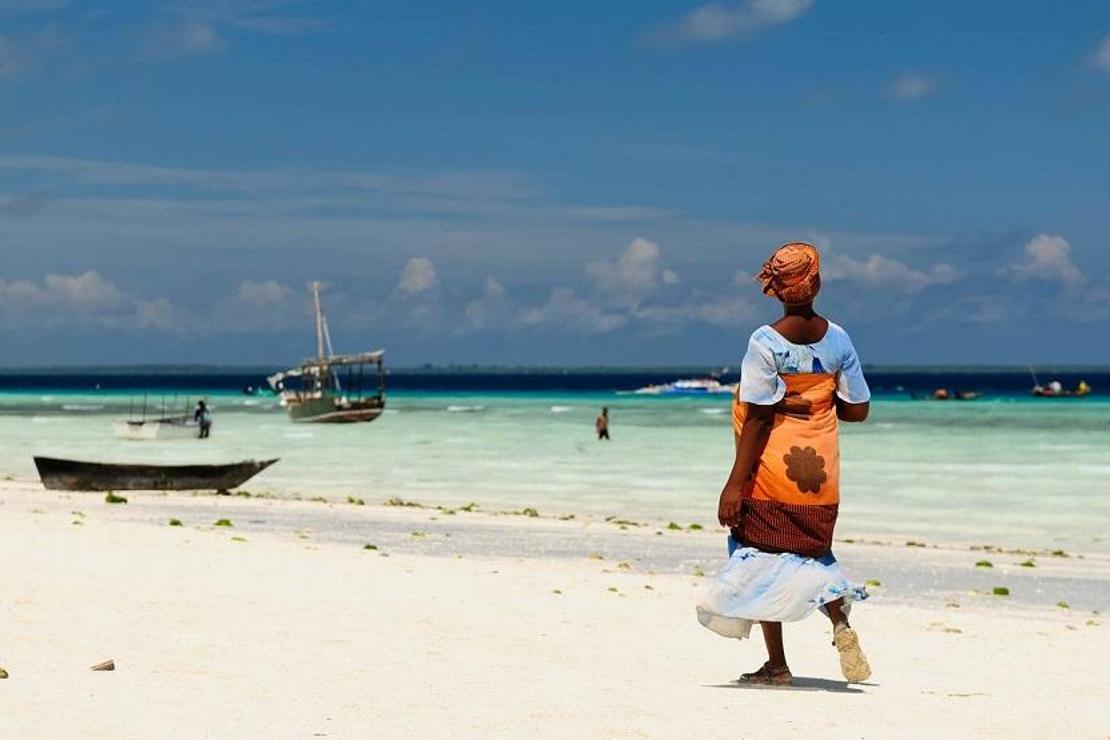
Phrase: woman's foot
[769,676]
[853,663]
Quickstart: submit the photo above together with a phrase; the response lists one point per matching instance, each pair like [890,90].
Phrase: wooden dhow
[331,388]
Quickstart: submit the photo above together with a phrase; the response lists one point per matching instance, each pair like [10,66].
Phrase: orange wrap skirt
[790,503]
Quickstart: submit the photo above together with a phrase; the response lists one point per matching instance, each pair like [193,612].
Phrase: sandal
[768,676]
[853,663]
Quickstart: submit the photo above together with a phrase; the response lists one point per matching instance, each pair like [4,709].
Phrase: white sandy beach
[285,633]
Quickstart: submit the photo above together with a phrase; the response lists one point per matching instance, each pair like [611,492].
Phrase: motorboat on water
[331,388]
[688,387]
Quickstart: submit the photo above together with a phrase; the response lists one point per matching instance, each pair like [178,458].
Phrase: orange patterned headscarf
[792,274]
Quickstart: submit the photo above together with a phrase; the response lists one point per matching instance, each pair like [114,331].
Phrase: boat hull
[334,411]
[75,475]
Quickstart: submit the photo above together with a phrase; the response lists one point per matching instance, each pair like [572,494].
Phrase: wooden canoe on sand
[75,475]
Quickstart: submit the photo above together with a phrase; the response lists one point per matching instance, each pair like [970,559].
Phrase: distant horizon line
[693,369]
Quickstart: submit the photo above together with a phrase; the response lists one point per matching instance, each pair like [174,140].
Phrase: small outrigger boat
[332,388]
[76,475]
[163,424]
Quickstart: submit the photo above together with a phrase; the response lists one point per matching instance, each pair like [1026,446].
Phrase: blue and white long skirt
[756,586]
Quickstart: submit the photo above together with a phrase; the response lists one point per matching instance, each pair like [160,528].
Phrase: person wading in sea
[602,423]
[800,376]
[203,417]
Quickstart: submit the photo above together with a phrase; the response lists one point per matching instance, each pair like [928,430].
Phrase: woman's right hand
[728,508]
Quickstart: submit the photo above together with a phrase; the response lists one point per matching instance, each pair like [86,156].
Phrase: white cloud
[565,310]
[260,305]
[493,308]
[85,298]
[728,312]
[157,313]
[417,277]
[1047,257]
[637,272]
[715,22]
[86,292]
[912,86]
[1100,59]
[262,294]
[885,272]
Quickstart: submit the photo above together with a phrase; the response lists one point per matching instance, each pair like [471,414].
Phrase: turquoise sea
[1003,470]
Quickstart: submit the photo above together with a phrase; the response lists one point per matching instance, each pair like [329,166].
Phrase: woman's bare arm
[749,448]
[851,412]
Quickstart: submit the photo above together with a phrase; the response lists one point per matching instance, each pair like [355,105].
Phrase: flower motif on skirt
[806,468]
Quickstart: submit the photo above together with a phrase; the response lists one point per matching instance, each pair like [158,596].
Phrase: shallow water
[1007,471]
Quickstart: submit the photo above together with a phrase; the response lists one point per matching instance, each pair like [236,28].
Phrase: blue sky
[565,183]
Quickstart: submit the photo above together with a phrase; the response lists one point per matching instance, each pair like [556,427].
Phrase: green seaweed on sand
[1000,591]
[396,501]
[596,556]
[176,523]
[369,546]
[1027,564]
[566,517]
[469,508]
[77,521]
[648,587]
[1058,554]
[530,512]
[556,591]
[238,539]
[624,566]
[3,673]
[417,535]
[873,582]
[112,498]
[355,501]
[984,564]
[695,527]
[674,525]
[613,589]
[913,543]
[698,571]
[223,523]
[77,513]
[1063,605]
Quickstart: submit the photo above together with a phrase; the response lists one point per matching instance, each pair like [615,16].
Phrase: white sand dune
[283,636]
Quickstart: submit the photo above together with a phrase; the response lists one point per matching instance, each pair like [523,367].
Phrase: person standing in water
[204,418]
[602,423]
[800,376]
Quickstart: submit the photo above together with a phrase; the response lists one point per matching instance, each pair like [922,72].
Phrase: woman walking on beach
[799,376]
